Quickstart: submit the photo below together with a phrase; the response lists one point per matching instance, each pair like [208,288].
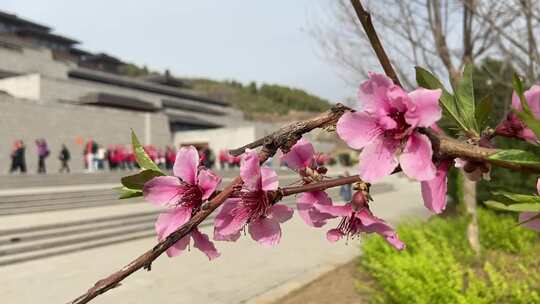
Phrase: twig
[320,186]
[289,134]
[444,147]
[450,148]
[367,24]
[283,138]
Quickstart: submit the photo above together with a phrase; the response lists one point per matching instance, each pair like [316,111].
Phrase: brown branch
[444,147]
[367,24]
[283,138]
[320,186]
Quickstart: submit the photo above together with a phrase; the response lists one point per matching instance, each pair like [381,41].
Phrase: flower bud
[358,200]
[322,170]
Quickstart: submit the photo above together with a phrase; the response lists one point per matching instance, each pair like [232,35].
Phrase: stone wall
[25,86]
[30,60]
[58,123]
[217,139]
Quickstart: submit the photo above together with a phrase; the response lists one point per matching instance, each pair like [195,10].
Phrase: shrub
[498,231]
[438,266]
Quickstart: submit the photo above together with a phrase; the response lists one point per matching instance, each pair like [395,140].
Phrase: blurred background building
[50,88]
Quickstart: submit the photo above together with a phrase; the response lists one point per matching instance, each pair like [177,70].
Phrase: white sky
[264,41]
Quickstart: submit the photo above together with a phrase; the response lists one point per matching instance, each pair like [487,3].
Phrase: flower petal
[424,109]
[378,159]
[334,235]
[269,179]
[300,155]
[186,164]
[528,135]
[305,204]
[357,129]
[434,191]
[250,170]
[280,212]
[367,218]
[372,93]
[201,242]
[265,231]
[229,220]
[208,182]
[344,210]
[532,96]
[388,233]
[386,123]
[538,186]
[178,247]
[163,190]
[398,98]
[170,220]
[534,224]
[415,160]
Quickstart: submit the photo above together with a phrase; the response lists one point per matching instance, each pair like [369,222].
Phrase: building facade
[50,89]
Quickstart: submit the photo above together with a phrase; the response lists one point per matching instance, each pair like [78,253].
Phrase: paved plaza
[62,236]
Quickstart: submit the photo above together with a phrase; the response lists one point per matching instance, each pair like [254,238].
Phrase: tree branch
[367,24]
[284,138]
[320,186]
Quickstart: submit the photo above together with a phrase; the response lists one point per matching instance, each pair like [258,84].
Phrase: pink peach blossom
[387,126]
[513,126]
[252,206]
[434,191]
[183,194]
[303,159]
[357,218]
[524,216]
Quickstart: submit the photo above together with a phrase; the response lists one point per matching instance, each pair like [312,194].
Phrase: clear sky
[264,41]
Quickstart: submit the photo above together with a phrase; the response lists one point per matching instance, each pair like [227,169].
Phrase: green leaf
[128,193]
[513,207]
[484,108]
[518,157]
[464,95]
[138,180]
[427,80]
[144,161]
[519,198]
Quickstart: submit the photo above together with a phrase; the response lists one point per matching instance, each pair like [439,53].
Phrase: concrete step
[65,179]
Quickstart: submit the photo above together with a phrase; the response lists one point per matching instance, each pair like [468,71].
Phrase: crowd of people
[98,158]
[120,157]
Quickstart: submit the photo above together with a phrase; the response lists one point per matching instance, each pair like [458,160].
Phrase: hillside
[264,100]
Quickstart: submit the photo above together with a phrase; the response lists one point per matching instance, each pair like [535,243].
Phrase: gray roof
[118,101]
[190,120]
[12,18]
[123,81]
[45,35]
[188,105]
